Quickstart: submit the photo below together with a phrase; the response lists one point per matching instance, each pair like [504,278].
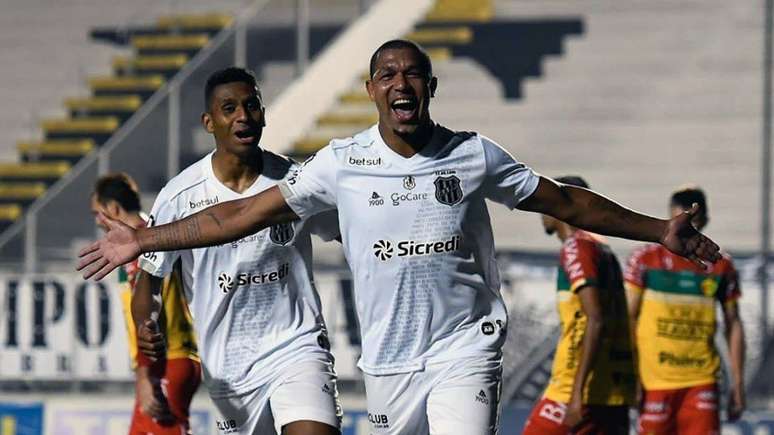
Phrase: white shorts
[449,398]
[301,391]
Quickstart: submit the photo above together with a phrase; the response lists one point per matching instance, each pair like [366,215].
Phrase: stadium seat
[55,150]
[97,128]
[20,193]
[120,107]
[144,86]
[9,213]
[212,22]
[170,44]
[44,172]
[165,65]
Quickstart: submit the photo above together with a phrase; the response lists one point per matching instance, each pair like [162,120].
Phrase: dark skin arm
[633,302]
[146,306]
[583,208]
[219,224]
[232,220]
[736,347]
[589,299]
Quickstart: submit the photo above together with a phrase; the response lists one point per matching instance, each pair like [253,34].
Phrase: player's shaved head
[228,75]
[573,180]
[397,44]
[118,187]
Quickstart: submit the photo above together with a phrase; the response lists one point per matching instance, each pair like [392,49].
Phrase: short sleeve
[580,261]
[731,291]
[634,275]
[161,263]
[312,187]
[508,181]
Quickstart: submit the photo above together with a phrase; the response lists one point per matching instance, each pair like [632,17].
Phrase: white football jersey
[418,238]
[254,305]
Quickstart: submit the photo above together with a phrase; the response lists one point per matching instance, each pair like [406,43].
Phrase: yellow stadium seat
[38,170]
[171,62]
[10,212]
[122,103]
[170,42]
[85,125]
[458,35]
[24,192]
[194,22]
[57,148]
[126,83]
[364,119]
[461,10]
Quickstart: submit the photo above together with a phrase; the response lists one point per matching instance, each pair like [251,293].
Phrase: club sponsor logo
[364,161]
[281,234]
[226,283]
[385,249]
[680,361]
[375,200]
[409,183]
[227,426]
[487,328]
[206,202]
[481,397]
[448,190]
[379,421]
[399,198]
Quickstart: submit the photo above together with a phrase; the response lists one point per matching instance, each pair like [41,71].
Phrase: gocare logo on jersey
[385,249]
[364,161]
[206,202]
[227,283]
[398,198]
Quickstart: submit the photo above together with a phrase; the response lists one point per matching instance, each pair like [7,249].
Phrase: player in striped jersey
[672,302]
[159,411]
[592,379]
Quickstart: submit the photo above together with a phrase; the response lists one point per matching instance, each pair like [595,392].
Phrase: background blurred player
[164,388]
[672,303]
[267,364]
[427,287]
[592,380]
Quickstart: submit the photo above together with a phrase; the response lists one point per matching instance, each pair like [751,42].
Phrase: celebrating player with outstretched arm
[256,311]
[427,287]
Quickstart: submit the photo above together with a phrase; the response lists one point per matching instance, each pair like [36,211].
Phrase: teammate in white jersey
[256,312]
[417,235]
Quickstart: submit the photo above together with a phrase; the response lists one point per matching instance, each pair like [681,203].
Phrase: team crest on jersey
[448,190]
[409,182]
[709,287]
[281,234]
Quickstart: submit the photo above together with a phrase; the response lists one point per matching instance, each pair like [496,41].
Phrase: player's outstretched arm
[591,211]
[219,224]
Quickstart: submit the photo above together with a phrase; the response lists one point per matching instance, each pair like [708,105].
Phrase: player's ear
[433,86]
[207,122]
[263,116]
[369,84]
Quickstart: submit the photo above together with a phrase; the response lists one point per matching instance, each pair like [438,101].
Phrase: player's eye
[227,108]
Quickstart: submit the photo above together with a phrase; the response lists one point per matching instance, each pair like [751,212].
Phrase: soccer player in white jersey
[417,235]
[256,312]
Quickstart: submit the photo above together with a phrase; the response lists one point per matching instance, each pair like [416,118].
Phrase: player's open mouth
[246,136]
[404,108]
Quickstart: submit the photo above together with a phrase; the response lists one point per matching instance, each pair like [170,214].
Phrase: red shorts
[547,415]
[687,411]
[180,380]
